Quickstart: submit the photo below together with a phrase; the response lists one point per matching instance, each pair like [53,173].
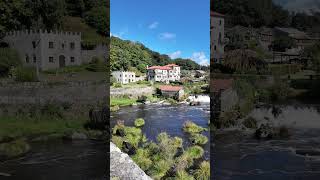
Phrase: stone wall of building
[229,98]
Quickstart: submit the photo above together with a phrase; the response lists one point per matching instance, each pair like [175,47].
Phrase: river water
[59,160]
[238,156]
[164,118]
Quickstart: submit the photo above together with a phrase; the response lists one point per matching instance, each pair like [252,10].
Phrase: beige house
[168,73]
[175,92]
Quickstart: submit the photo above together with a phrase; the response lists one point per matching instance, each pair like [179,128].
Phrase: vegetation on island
[164,159]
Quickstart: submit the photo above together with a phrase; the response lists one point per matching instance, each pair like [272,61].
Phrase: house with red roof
[175,92]
[167,73]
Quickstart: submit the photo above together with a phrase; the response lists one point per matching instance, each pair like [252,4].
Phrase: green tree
[97,18]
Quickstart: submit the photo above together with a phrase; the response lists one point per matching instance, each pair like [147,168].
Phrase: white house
[217,36]
[168,73]
[124,77]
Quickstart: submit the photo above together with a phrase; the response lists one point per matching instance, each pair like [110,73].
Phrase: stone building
[51,49]
[175,92]
[124,77]
[217,37]
[167,73]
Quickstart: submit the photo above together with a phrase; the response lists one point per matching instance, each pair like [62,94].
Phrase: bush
[191,127]
[198,139]
[142,159]
[250,122]
[142,99]
[160,169]
[97,65]
[183,175]
[139,122]
[114,108]
[14,149]
[195,152]
[26,74]
[117,85]
[8,58]
[203,173]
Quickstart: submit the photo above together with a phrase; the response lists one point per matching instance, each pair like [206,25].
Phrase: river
[59,160]
[238,156]
[165,118]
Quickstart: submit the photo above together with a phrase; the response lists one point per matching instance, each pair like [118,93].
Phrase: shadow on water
[239,156]
[59,160]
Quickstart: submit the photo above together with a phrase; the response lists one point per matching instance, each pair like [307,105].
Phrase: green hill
[125,55]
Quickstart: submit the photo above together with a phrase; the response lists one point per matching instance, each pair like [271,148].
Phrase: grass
[14,148]
[198,139]
[183,175]
[203,173]
[195,152]
[22,126]
[122,101]
[89,35]
[142,158]
[191,127]
[139,122]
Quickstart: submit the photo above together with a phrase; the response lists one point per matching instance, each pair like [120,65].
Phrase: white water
[205,99]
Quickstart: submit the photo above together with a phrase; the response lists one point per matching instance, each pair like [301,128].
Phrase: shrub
[53,110]
[142,99]
[139,122]
[198,139]
[142,159]
[26,74]
[117,85]
[250,122]
[168,146]
[97,65]
[14,149]
[191,127]
[8,58]
[203,173]
[114,108]
[183,175]
[118,141]
[160,168]
[133,135]
[183,162]
[195,152]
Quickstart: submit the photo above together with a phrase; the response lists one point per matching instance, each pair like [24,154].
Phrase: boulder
[123,167]
[265,131]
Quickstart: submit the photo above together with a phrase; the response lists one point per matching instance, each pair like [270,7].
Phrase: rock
[13,149]
[147,102]
[128,148]
[265,131]
[123,167]
[308,152]
[194,103]
[120,132]
[76,136]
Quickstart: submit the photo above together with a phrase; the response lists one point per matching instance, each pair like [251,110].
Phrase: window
[220,22]
[27,58]
[51,59]
[72,45]
[34,59]
[51,45]
[72,59]
[215,47]
[33,44]
[62,45]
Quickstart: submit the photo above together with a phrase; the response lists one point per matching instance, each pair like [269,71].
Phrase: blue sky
[179,28]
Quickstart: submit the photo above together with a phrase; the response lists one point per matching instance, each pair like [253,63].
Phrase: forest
[127,55]
[264,13]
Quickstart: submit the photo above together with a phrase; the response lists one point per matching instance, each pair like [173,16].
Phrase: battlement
[41,31]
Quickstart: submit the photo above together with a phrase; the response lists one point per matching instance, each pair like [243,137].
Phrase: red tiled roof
[170,88]
[216,14]
[221,84]
[172,65]
[160,67]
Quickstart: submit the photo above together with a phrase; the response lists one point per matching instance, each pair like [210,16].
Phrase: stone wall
[83,92]
[122,166]
[229,98]
[132,92]
[100,51]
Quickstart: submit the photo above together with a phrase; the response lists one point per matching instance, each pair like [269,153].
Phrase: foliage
[250,122]
[183,175]
[244,60]
[24,74]
[159,169]
[97,18]
[198,139]
[122,101]
[14,149]
[203,173]
[8,58]
[139,122]
[281,44]
[142,158]
[133,135]
[191,127]
[97,65]
[195,152]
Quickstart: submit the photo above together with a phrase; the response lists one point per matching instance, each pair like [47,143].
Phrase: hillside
[125,55]
[91,17]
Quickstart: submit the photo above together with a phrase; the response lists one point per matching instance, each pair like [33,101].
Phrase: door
[62,61]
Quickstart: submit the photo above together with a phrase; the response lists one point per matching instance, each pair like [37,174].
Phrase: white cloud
[153,25]
[121,33]
[175,55]
[167,36]
[200,57]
